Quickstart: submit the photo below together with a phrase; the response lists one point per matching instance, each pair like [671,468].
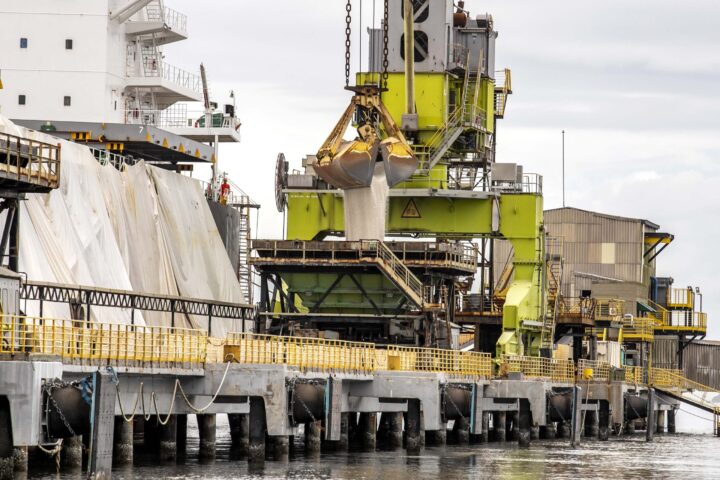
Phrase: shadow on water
[670,456]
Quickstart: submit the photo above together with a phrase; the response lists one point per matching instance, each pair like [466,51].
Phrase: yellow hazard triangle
[411,210]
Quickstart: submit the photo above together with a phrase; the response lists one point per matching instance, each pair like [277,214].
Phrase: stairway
[375,251]
[554,273]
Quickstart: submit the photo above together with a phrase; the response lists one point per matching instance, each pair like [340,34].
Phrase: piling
[591,424]
[395,430]
[485,427]
[257,428]
[660,421]
[523,423]
[671,420]
[313,436]
[168,440]
[344,443]
[20,459]
[72,453]
[206,429]
[576,423]
[151,438]
[563,429]
[239,432]
[367,429]
[437,438]
[122,442]
[461,431]
[181,435]
[650,429]
[549,431]
[499,425]
[514,426]
[630,427]
[413,427]
[280,447]
[604,421]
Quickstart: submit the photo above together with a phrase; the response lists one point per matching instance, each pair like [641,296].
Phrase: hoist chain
[385,44]
[348,20]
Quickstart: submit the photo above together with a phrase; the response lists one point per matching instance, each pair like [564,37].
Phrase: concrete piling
[122,442]
[367,430]
[650,428]
[604,421]
[168,440]
[414,438]
[206,429]
[523,424]
[671,421]
[257,429]
[549,431]
[630,427]
[239,432]
[436,438]
[660,421]
[513,427]
[395,430]
[20,459]
[591,427]
[344,443]
[313,436]
[72,452]
[500,425]
[280,447]
[461,431]
[181,435]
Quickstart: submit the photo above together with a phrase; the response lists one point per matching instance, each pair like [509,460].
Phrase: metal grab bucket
[351,167]
[399,161]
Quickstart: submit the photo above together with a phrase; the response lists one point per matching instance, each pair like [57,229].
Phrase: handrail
[539,367]
[81,341]
[396,267]
[30,161]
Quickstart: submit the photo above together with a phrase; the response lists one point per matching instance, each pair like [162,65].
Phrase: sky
[633,84]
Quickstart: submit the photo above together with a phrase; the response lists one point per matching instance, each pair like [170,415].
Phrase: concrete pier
[72,453]
[660,421]
[523,424]
[591,427]
[344,443]
[168,440]
[257,429]
[313,436]
[279,447]
[413,427]
[367,431]
[206,429]
[395,430]
[513,426]
[549,431]
[604,421]
[122,442]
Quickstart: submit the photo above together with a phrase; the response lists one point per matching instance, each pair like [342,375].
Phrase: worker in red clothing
[224,191]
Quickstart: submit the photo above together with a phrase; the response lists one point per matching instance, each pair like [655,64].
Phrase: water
[691,456]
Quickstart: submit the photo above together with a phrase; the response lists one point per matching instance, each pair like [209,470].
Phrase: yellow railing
[539,367]
[680,298]
[593,370]
[435,360]
[679,320]
[316,354]
[79,341]
[671,379]
[634,375]
[639,329]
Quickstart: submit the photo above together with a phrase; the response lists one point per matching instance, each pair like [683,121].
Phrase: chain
[385,43]
[348,19]
[49,389]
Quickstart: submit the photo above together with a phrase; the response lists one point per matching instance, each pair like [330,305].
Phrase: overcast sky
[634,84]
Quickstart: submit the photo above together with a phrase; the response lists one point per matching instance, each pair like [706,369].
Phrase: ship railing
[29,161]
[95,343]
[180,77]
[559,370]
[105,157]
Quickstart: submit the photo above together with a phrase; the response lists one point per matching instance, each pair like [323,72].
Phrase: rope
[140,398]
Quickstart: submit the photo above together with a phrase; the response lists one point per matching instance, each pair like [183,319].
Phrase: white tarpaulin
[143,229]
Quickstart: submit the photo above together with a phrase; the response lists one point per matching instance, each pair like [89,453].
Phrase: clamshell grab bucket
[351,164]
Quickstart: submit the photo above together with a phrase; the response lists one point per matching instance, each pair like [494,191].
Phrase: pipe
[409,57]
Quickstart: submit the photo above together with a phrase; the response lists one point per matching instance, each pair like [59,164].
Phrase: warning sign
[411,210]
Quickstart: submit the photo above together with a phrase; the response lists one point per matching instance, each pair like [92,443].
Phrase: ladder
[554,274]
[244,270]
[394,269]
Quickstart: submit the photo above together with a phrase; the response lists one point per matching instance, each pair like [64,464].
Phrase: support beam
[206,429]
[257,430]
[122,442]
[413,426]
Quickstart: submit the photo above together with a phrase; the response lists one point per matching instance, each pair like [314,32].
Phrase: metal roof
[647,223]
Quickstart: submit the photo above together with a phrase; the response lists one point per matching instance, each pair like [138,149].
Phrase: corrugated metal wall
[701,362]
[665,352]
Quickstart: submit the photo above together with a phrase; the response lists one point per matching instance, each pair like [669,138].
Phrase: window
[21,99]
[66,101]
[68,44]
[23,42]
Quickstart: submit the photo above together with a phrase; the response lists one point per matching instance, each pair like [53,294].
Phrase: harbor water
[682,455]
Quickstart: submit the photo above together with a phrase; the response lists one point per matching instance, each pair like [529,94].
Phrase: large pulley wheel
[281,172]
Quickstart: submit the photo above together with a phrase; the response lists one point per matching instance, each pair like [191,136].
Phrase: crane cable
[348,31]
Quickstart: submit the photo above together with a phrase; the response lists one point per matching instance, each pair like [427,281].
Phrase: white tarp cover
[142,229]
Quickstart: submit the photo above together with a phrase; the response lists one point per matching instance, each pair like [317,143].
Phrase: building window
[68,44]
[23,42]
[66,101]
[21,99]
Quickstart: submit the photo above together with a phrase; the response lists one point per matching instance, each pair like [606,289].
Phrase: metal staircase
[554,274]
[244,272]
[394,269]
